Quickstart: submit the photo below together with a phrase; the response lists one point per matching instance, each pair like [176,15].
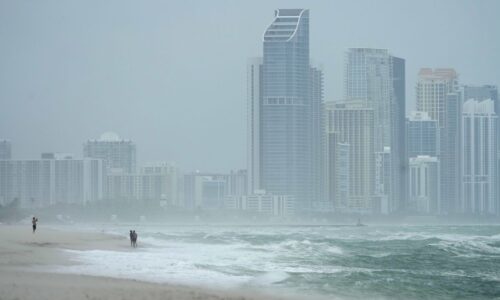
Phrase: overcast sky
[170,75]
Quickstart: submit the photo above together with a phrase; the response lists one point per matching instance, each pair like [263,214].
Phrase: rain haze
[230,150]
[171,75]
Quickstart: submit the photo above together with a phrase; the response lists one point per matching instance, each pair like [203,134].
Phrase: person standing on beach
[134,238]
[131,238]
[33,222]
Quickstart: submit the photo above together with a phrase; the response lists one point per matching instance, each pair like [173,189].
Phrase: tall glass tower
[378,79]
[287,163]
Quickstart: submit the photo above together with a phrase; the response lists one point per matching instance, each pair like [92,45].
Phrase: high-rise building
[378,79]
[205,190]
[437,94]
[422,134]
[432,88]
[424,185]
[383,173]
[284,107]
[318,137]
[254,105]
[482,92]
[399,160]
[352,123]
[118,154]
[450,155]
[368,77]
[479,155]
[52,180]
[337,173]
[5,149]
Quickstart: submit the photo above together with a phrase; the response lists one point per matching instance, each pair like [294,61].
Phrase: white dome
[110,136]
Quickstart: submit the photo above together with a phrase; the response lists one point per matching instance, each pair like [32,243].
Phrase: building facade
[424,185]
[450,159]
[479,155]
[205,190]
[50,181]
[422,135]
[5,149]
[287,127]
[118,154]
[262,203]
[437,94]
[378,79]
[337,173]
[237,183]
[383,176]
[432,88]
[352,123]
[254,104]
[157,184]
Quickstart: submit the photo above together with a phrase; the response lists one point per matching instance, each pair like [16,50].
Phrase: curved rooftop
[284,26]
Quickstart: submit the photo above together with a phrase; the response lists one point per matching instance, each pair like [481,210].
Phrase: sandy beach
[26,259]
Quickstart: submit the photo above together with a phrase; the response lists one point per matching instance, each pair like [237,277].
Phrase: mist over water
[380,262]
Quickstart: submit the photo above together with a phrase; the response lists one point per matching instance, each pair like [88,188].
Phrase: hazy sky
[170,75]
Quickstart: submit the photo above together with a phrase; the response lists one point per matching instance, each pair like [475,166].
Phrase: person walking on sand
[33,222]
[134,238]
[131,238]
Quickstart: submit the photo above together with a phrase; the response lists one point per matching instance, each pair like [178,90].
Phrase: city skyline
[222,149]
[154,109]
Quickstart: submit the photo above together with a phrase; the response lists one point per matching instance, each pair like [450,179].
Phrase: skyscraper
[318,136]
[284,102]
[399,160]
[368,77]
[378,79]
[482,92]
[337,173]
[383,172]
[450,158]
[422,135]
[479,154]
[254,102]
[423,139]
[432,88]
[118,154]
[424,185]
[437,94]
[352,123]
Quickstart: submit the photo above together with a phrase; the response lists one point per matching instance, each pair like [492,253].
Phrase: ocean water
[336,262]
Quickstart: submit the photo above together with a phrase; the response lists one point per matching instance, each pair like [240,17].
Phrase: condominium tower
[378,79]
[432,88]
[118,154]
[422,134]
[479,173]
[351,124]
[284,107]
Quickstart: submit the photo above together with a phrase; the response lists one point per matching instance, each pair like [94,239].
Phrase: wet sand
[26,260]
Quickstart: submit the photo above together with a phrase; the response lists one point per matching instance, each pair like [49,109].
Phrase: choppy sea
[338,262]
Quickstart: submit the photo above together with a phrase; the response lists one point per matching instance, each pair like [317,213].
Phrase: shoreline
[24,255]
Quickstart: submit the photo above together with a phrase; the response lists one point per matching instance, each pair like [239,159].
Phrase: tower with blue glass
[286,113]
